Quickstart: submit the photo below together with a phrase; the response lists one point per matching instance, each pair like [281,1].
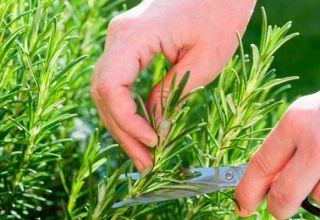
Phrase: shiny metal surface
[209,180]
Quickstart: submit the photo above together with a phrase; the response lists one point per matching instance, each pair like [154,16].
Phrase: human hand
[287,167]
[196,37]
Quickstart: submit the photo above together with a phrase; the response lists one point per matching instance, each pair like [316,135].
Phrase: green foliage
[56,160]
[32,93]
[43,66]
[300,56]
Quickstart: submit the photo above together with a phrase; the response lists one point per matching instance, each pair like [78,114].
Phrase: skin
[286,167]
[201,38]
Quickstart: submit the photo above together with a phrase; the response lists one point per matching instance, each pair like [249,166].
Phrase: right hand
[286,168]
[194,36]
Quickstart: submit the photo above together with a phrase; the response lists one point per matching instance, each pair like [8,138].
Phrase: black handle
[307,205]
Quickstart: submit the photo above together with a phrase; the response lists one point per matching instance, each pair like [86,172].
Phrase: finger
[117,73]
[202,72]
[139,153]
[316,194]
[134,149]
[274,154]
[294,183]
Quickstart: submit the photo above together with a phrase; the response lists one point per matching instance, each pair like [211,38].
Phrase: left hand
[189,33]
[287,167]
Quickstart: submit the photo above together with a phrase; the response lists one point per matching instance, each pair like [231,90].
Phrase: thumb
[202,72]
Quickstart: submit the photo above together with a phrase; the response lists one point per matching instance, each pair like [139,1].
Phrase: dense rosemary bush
[56,160]
[47,49]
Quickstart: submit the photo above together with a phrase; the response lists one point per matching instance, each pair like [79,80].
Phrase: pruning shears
[207,180]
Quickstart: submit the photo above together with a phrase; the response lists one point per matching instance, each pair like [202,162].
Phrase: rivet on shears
[229,175]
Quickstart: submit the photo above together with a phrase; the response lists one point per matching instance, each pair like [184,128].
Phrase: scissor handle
[307,205]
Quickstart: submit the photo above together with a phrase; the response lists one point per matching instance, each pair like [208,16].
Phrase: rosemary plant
[40,79]
[32,110]
[57,161]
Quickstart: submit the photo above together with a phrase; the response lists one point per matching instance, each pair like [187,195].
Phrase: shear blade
[210,180]
[166,195]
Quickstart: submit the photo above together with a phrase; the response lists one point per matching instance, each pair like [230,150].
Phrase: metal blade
[166,195]
[210,180]
[222,176]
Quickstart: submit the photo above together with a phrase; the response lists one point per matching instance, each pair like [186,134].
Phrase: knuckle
[280,198]
[122,23]
[261,165]
[291,117]
[290,114]
[292,122]
[103,89]
[301,124]
[114,24]
[304,110]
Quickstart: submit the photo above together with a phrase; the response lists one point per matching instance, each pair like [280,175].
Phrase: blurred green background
[301,56]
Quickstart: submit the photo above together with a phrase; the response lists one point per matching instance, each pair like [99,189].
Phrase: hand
[287,167]
[196,37]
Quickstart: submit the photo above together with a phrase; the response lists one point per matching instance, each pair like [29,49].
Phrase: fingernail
[159,119]
[164,128]
[139,165]
[241,211]
[147,170]
[150,142]
[142,167]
